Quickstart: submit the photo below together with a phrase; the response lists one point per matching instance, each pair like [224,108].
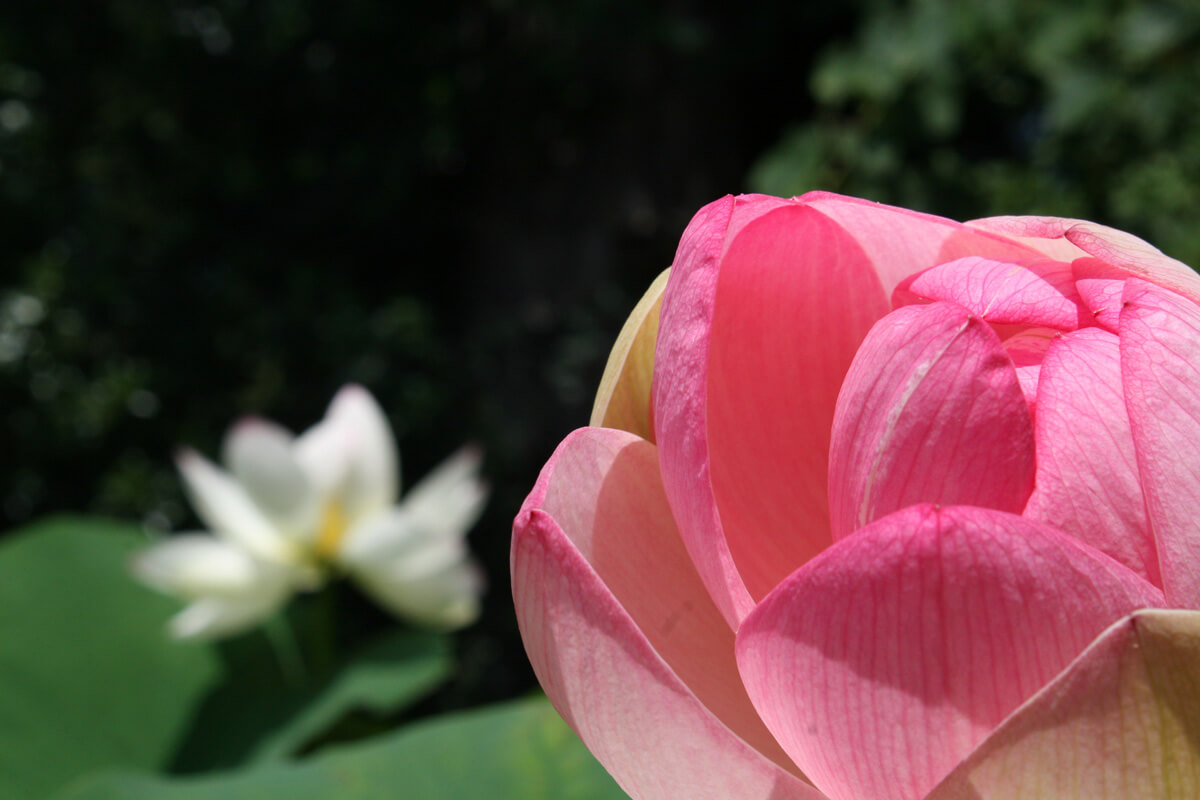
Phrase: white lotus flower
[289,510]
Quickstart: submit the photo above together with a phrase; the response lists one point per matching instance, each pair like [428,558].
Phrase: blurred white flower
[288,510]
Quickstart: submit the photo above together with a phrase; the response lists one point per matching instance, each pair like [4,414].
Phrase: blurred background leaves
[228,207]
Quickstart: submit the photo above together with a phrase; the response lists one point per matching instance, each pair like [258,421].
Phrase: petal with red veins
[1160,364]
[931,411]
[1100,286]
[1122,721]
[1087,474]
[1067,239]
[756,334]
[623,636]
[1039,293]
[886,660]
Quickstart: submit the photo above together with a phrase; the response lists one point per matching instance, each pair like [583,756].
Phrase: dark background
[211,209]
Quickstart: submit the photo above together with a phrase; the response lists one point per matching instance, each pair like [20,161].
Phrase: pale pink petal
[261,456]
[1122,722]
[1100,286]
[756,335]
[1039,293]
[1136,257]
[623,636]
[931,411]
[900,242]
[884,661]
[602,489]
[1027,349]
[1160,362]
[1044,234]
[1087,474]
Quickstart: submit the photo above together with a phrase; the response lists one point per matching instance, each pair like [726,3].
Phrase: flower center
[330,530]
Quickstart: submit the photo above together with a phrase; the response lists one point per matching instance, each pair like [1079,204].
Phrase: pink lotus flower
[910,509]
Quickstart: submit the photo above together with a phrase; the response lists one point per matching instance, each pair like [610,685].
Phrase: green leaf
[520,750]
[88,677]
[383,678]
[250,717]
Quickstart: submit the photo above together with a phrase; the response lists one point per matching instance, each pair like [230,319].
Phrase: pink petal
[1100,285]
[756,334]
[1066,239]
[900,242]
[1038,293]
[1160,362]
[1087,475]
[931,411]
[622,633]
[884,661]
[1119,723]
[1027,349]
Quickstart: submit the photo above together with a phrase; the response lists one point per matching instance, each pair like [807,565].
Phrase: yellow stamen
[333,527]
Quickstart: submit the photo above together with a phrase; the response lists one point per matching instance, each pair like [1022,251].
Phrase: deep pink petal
[755,337]
[1121,722]
[622,633]
[1066,239]
[931,411]
[1039,293]
[678,392]
[1087,475]
[884,661]
[1160,362]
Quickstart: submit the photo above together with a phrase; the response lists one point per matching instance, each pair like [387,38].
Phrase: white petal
[260,455]
[452,496]
[436,513]
[409,547]
[194,565]
[225,507]
[352,453]
[447,598]
[217,617]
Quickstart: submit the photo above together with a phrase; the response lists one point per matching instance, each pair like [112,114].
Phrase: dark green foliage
[211,209]
[1011,107]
